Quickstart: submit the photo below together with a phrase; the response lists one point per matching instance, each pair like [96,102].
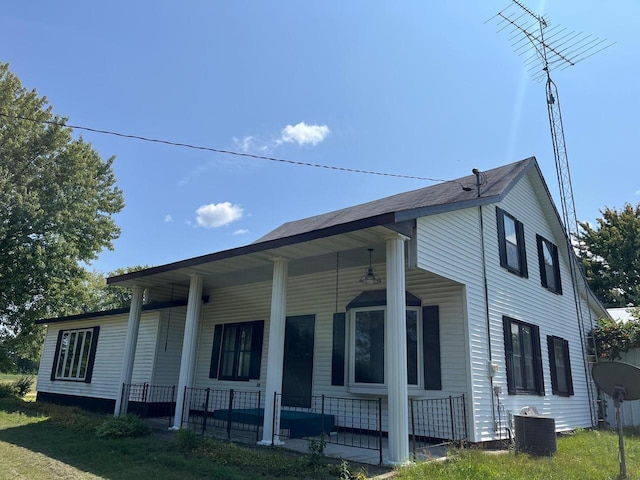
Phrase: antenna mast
[543,47]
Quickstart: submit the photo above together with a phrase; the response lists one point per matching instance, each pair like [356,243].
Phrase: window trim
[538,377]
[255,357]
[551,344]
[520,244]
[553,250]
[90,353]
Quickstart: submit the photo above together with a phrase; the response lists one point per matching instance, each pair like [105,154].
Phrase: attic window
[549,265]
[511,243]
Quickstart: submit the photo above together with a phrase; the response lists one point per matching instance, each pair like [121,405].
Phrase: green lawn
[585,455]
[40,441]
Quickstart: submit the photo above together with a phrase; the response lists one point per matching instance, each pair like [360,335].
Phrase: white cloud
[242,231]
[168,218]
[303,134]
[218,214]
[637,192]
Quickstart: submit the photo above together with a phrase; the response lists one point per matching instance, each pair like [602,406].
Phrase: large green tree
[612,256]
[57,201]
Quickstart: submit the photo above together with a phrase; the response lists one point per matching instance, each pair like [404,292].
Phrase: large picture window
[561,380]
[549,265]
[511,243]
[75,354]
[369,346]
[523,357]
[237,351]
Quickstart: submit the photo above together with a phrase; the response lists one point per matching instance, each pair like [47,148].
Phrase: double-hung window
[560,365]
[75,354]
[549,265]
[237,351]
[523,357]
[512,250]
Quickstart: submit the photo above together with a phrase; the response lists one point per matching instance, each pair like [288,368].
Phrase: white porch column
[135,311]
[189,345]
[275,356]
[396,352]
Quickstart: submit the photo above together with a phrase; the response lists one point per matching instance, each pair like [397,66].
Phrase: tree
[94,295]
[58,197]
[612,256]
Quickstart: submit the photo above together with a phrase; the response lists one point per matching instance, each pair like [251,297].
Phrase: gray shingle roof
[438,198]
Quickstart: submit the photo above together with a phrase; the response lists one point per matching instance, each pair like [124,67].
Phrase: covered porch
[274,296]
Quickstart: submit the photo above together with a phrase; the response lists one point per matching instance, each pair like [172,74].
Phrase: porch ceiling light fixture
[370,278]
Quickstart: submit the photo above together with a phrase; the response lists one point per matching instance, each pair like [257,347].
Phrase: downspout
[490,368]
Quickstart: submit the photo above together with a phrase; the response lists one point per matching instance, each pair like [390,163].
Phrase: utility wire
[227,152]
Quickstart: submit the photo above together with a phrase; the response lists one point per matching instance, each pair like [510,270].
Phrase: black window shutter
[56,355]
[431,347]
[92,355]
[337,354]
[535,333]
[552,364]
[215,354]
[567,366]
[522,250]
[541,262]
[256,348]
[508,354]
[556,264]
[501,240]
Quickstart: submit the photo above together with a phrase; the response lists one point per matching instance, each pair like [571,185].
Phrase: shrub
[22,385]
[7,390]
[123,426]
[187,440]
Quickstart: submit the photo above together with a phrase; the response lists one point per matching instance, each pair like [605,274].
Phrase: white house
[475,299]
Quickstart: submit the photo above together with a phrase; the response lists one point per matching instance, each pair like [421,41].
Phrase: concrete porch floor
[363,455]
[345,450]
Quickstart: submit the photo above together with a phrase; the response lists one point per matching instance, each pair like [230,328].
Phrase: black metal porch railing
[351,422]
[438,421]
[149,401]
[230,414]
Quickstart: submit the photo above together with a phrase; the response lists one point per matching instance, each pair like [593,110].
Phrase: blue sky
[412,87]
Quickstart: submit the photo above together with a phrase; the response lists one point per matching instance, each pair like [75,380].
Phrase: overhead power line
[227,152]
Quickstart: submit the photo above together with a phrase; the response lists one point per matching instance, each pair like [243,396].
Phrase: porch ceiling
[257,266]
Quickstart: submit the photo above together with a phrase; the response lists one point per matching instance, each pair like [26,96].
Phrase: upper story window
[75,354]
[560,365]
[237,351]
[549,265]
[511,243]
[523,357]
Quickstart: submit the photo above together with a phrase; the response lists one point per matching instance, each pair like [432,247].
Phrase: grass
[42,441]
[585,455]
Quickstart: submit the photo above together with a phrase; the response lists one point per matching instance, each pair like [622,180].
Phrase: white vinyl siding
[169,346]
[108,359]
[449,245]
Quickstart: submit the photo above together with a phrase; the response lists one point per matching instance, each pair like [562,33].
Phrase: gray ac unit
[535,435]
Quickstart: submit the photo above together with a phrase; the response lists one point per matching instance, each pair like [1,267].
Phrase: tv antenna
[542,47]
[622,382]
